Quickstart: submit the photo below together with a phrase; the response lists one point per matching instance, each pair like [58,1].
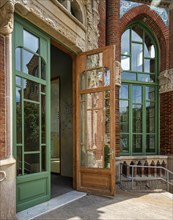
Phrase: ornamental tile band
[125,6]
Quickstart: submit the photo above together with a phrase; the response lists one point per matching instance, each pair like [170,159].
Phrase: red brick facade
[115,26]
[170,39]
[102,23]
[2,100]
[166,123]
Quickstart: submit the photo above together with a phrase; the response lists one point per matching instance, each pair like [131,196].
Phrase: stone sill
[141,157]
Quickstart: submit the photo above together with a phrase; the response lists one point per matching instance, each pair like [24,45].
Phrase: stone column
[7,162]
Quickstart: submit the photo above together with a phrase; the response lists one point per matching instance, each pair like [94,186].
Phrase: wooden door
[95,117]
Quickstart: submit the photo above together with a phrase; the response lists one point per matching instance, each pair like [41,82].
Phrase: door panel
[31,86]
[96,121]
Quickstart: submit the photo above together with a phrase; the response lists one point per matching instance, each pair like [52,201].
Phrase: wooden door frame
[73,57]
[79,69]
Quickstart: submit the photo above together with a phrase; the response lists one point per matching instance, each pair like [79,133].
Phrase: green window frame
[138,97]
[31,92]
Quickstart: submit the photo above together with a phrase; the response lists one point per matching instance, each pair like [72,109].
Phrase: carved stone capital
[166,81]
[118,71]
[6,16]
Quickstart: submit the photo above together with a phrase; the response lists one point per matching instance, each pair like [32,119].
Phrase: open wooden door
[95,134]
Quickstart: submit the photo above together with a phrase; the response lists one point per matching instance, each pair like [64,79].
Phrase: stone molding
[92,23]
[118,71]
[85,41]
[6,16]
[166,81]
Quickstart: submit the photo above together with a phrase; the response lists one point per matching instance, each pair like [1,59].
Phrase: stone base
[8,189]
[145,185]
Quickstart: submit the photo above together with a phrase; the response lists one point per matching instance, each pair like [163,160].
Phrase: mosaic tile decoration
[127,5]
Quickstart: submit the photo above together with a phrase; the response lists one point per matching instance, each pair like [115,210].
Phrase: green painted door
[31,95]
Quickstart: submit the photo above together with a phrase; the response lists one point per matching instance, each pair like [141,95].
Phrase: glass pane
[30,63]
[137,57]
[125,62]
[43,154]
[124,116]
[146,78]
[93,100]
[150,117]
[124,143]
[149,49]
[18,81]
[31,126]
[129,76]
[137,118]
[30,41]
[43,118]
[124,92]
[43,69]
[31,90]
[91,79]
[32,163]
[125,43]
[19,161]
[152,66]
[137,94]
[149,65]
[107,130]
[150,143]
[18,115]
[150,93]
[18,59]
[137,143]
[107,77]
[95,129]
[94,60]
[43,88]
[137,33]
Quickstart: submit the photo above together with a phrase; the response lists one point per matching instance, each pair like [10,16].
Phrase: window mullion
[144,120]
[130,121]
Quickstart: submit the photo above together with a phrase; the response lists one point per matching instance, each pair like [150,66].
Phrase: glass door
[31,115]
[96,121]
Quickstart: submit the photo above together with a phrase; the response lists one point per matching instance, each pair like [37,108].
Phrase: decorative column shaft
[7,163]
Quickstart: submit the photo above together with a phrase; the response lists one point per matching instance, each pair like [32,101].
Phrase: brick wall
[112,24]
[2,100]
[102,23]
[166,123]
[170,39]
[166,104]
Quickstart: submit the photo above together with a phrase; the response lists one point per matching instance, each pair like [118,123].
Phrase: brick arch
[155,23]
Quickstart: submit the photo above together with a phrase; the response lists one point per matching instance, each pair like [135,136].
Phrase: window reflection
[95,143]
[137,57]
[125,62]
[125,43]
[137,33]
[18,59]
[30,41]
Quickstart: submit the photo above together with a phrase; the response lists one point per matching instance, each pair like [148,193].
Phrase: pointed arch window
[138,92]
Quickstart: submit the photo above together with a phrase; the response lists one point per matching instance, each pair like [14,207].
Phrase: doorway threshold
[50,205]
